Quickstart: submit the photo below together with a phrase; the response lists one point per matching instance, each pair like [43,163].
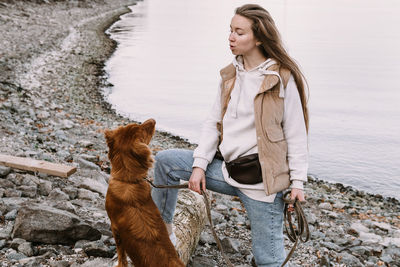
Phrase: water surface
[169,54]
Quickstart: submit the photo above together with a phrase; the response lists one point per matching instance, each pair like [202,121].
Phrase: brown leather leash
[294,233]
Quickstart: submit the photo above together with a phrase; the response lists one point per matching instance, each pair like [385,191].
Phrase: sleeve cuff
[297,184]
[201,163]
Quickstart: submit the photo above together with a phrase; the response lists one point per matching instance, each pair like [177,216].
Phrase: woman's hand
[296,194]
[197,180]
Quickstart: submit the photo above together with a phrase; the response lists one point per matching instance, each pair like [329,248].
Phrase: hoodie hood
[262,69]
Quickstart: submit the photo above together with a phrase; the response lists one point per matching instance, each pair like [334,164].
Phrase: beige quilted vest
[268,112]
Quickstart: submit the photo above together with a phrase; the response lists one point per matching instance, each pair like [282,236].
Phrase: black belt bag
[244,170]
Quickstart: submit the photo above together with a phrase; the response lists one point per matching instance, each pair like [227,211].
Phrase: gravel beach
[52,55]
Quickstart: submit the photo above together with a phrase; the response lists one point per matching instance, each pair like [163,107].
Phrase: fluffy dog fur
[136,223]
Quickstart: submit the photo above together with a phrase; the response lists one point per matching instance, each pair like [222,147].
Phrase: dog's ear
[150,123]
[149,127]
[109,135]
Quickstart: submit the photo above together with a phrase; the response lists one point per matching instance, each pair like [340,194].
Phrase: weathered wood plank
[34,165]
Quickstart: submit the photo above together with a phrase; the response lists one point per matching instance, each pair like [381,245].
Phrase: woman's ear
[258,43]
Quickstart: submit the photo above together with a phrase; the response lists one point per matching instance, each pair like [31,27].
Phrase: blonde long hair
[265,31]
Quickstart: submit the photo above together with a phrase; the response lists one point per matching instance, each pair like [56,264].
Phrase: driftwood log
[190,218]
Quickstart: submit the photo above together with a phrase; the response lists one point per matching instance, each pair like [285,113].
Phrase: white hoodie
[240,137]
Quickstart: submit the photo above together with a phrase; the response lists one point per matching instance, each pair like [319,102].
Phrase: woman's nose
[232,37]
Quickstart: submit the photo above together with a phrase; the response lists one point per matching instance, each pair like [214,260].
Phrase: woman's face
[241,39]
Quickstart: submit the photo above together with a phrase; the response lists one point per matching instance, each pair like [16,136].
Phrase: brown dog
[136,223]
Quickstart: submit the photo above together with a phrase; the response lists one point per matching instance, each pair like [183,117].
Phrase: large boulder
[41,223]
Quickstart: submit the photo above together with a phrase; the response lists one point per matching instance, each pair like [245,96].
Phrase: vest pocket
[275,133]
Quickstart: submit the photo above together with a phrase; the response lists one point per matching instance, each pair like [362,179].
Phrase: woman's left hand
[296,194]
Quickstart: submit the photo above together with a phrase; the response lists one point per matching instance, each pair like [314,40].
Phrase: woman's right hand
[197,180]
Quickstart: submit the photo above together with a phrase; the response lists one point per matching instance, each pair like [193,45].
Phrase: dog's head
[128,148]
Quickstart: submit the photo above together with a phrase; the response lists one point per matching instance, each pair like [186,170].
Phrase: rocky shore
[52,55]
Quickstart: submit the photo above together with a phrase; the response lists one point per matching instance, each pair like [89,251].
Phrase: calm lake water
[167,66]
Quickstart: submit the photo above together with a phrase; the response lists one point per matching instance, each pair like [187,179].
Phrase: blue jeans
[266,219]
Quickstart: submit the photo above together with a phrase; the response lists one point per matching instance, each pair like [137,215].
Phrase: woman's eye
[236,33]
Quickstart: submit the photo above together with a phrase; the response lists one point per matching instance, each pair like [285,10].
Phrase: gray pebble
[230,245]
[206,238]
[81,243]
[16,242]
[387,258]
[86,164]
[7,183]
[311,218]
[28,190]
[325,261]
[26,249]
[339,205]
[72,192]
[11,215]
[331,246]
[9,192]
[15,256]
[373,259]
[317,235]
[57,194]
[2,243]
[349,259]
[358,228]
[87,194]
[64,205]
[91,158]
[199,261]
[4,171]
[63,154]
[6,230]
[86,143]
[98,249]
[45,187]
[67,124]
[221,207]
[62,263]
[217,217]
[325,206]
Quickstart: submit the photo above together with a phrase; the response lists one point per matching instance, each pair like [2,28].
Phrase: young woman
[260,110]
